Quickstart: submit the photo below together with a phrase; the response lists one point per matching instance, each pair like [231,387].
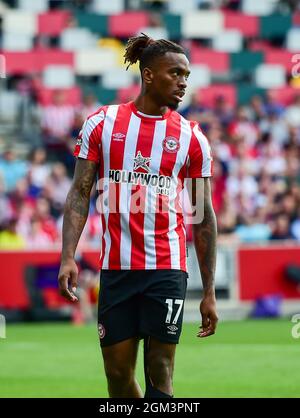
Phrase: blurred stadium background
[59,61]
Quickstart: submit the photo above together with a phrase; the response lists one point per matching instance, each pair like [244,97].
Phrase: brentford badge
[101,331]
[171,144]
[79,138]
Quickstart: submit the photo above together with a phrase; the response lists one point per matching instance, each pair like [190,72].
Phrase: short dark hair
[142,48]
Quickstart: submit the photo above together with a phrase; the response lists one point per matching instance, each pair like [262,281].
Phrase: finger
[64,291]
[69,295]
[213,323]
[74,281]
[205,321]
[206,332]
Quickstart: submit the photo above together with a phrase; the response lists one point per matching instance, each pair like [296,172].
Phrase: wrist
[67,257]
[209,292]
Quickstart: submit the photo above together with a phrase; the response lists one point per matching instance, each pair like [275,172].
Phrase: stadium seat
[270,76]
[158,32]
[127,24]
[46,57]
[275,26]
[209,94]
[228,41]
[73,96]
[75,39]
[9,106]
[296,18]
[247,25]
[20,62]
[218,62]
[245,61]
[36,60]
[202,24]
[258,45]
[108,7]
[173,24]
[200,76]
[103,95]
[279,56]
[16,42]
[117,78]
[128,93]
[117,46]
[245,91]
[259,7]
[17,21]
[285,95]
[94,22]
[95,61]
[53,23]
[58,77]
[293,40]
[179,6]
[37,6]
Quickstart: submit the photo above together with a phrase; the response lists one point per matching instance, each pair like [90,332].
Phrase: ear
[147,75]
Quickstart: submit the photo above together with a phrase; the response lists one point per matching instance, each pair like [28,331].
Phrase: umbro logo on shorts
[172,329]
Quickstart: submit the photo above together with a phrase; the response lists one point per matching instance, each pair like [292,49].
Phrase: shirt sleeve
[200,159]
[89,139]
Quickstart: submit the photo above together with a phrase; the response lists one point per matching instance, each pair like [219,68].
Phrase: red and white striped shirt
[143,161]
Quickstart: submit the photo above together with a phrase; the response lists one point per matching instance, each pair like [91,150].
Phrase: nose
[182,83]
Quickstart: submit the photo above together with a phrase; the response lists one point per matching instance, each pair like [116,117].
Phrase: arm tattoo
[77,205]
[205,240]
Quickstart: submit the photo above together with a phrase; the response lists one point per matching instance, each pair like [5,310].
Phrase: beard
[173,106]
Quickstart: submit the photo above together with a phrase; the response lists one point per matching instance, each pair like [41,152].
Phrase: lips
[179,95]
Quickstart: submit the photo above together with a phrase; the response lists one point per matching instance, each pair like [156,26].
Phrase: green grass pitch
[244,359]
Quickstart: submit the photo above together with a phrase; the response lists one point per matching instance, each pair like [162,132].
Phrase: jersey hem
[168,267]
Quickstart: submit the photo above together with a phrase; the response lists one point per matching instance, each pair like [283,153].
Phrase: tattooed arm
[205,240]
[75,216]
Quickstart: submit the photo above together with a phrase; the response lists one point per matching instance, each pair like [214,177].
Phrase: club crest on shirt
[141,162]
[79,141]
[171,144]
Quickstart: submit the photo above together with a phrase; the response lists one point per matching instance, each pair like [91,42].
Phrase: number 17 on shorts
[173,314]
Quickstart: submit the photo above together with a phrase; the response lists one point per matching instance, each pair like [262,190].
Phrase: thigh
[162,305]
[117,308]
[155,349]
[121,356]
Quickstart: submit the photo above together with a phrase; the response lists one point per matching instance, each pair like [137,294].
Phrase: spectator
[39,169]
[292,114]
[58,118]
[36,237]
[47,222]
[11,169]
[9,237]
[57,187]
[281,228]
[89,106]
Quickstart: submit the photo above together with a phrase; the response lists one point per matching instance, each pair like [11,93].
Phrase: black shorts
[139,303]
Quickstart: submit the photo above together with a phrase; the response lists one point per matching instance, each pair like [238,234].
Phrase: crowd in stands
[256,182]
[256,149]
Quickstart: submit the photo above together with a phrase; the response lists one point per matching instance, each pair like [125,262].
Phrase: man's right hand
[68,272]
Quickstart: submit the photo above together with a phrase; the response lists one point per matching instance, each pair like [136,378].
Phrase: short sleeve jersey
[143,162]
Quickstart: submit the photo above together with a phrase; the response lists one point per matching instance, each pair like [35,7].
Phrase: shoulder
[194,125]
[106,111]
[99,114]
